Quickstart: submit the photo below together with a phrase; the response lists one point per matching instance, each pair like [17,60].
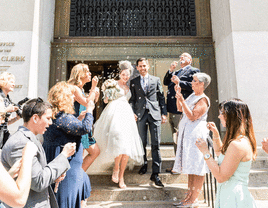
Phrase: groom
[148,104]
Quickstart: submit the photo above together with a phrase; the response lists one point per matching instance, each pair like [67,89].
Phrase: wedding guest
[189,160]
[236,153]
[116,129]
[80,75]
[7,84]
[182,77]
[15,193]
[75,188]
[37,117]
[148,104]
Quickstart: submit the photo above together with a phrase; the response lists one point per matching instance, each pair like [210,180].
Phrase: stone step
[145,192]
[136,179]
[260,162]
[166,151]
[258,178]
[139,204]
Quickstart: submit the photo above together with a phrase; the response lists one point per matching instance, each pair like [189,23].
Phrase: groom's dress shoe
[156,181]
[143,169]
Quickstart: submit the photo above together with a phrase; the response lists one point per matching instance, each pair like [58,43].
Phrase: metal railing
[210,184]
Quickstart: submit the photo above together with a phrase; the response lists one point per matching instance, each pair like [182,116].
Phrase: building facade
[42,40]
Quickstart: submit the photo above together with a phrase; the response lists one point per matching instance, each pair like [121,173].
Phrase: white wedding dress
[116,133]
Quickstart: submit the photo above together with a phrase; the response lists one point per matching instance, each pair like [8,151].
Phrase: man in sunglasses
[37,117]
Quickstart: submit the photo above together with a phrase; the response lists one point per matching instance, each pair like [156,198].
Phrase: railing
[210,184]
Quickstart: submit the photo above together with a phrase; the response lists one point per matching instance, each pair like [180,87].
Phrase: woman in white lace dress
[189,160]
[116,130]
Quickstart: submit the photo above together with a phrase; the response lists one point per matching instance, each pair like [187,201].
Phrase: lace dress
[116,133]
[234,192]
[189,160]
[76,185]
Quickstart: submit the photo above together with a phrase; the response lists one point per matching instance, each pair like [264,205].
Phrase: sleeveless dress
[189,160]
[234,192]
[87,139]
[116,133]
[76,185]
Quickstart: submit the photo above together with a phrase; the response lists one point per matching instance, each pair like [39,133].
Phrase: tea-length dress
[116,133]
[189,160]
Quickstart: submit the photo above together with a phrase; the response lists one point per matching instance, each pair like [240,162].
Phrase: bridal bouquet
[110,89]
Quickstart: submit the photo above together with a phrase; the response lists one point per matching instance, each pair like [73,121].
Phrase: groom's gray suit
[149,106]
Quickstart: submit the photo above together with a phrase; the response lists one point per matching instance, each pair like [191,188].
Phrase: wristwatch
[207,156]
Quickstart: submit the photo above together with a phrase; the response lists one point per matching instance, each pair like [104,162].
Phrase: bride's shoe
[115,178]
[122,184]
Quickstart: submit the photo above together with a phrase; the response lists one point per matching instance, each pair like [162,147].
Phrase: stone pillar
[25,39]
[240,33]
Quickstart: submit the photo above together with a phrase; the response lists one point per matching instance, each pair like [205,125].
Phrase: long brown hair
[238,122]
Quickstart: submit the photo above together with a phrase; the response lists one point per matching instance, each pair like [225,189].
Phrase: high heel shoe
[115,178]
[122,184]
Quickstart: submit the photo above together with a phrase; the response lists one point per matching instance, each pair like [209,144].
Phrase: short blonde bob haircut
[60,97]
[5,77]
[78,72]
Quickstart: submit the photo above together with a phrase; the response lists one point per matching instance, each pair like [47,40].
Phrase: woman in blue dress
[236,152]
[75,188]
[80,75]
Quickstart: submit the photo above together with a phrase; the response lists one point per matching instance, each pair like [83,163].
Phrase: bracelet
[216,137]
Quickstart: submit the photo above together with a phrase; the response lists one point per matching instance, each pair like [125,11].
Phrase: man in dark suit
[37,117]
[183,77]
[148,103]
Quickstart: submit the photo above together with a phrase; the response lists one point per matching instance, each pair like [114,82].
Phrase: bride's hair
[123,65]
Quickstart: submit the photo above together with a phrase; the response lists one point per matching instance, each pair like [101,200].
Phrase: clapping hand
[265,145]
[94,82]
[212,127]
[58,180]
[175,79]
[69,149]
[202,145]
[82,115]
[90,106]
[173,65]
[179,96]
[15,169]
[177,88]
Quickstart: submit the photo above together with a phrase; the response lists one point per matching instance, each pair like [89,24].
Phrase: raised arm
[200,108]
[233,156]
[72,125]
[217,143]
[15,194]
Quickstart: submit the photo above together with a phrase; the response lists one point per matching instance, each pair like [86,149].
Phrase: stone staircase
[140,192]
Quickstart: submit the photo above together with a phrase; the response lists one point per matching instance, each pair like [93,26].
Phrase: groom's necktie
[144,84]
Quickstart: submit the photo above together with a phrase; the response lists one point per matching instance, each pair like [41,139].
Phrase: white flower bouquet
[110,89]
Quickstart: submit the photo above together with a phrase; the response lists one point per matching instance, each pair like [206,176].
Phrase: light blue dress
[234,193]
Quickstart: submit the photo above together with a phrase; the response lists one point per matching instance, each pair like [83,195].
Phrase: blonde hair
[60,97]
[78,72]
[5,77]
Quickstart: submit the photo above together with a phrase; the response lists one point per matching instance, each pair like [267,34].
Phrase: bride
[116,130]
